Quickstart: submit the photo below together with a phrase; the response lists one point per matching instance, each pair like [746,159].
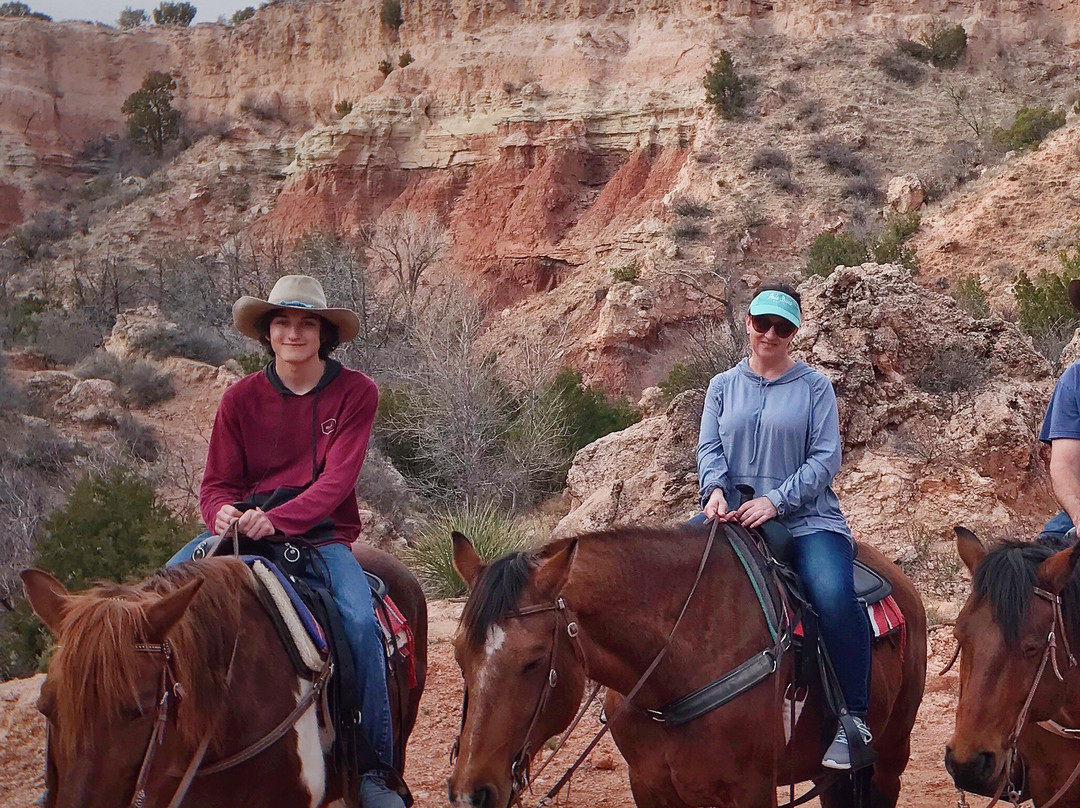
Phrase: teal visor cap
[778,303]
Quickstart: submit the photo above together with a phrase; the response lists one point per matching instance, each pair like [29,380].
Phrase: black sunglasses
[763,322]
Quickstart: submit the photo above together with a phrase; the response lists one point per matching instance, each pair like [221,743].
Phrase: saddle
[792,626]
[313,634]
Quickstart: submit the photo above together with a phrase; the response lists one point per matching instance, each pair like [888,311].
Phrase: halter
[1006,787]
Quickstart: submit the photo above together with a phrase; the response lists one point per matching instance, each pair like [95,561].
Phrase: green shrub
[890,247]
[971,296]
[725,91]
[252,361]
[1029,128]
[1043,300]
[683,377]
[243,15]
[588,414]
[431,558]
[945,44]
[180,14]
[390,14]
[627,273]
[405,59]
[343,107]
[112,528]
[132,17]
[831,250]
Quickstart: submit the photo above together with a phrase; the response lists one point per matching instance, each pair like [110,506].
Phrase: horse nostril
[483,797]
[984,764]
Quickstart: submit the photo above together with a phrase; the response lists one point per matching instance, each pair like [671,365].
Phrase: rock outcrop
[939,415]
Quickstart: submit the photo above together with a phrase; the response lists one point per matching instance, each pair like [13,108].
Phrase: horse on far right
[1017,734]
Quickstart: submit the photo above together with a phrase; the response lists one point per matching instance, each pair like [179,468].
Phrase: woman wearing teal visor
[771,423]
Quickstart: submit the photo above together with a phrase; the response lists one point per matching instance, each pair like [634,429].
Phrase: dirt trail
[601,781]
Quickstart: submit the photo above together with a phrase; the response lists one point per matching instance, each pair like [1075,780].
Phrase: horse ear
[466,560]
[47,597]
[969,547]
[553,572]
[163,614]
[1056,572]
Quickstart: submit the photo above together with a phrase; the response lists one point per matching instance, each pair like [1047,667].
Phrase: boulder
[905,194]
[132,332]
[46,386]
[95,402]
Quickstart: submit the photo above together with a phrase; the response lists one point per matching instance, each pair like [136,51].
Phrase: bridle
[170,688]
[520,768]
[1050,655]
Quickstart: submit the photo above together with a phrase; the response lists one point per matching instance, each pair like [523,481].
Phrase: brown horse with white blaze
[601,606]
[1019,682]
[145,678]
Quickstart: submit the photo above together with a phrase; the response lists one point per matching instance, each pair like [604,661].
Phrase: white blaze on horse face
[495,639]
[309,748]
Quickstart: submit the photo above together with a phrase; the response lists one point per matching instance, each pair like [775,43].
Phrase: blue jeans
[1057,525]
[349,587]
[825,562]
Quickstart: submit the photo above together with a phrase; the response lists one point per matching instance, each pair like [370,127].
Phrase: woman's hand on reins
[756,512]
[225,518]
[716,507]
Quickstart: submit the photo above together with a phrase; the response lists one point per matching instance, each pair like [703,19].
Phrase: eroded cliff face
[628,73]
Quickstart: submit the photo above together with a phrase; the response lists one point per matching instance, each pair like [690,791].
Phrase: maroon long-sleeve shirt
[267,439]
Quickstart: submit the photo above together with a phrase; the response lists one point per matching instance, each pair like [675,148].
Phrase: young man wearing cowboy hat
[295,435]
[1061,430]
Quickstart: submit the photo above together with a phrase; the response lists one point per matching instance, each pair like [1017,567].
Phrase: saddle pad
[300,609]
[885,618]
[296,626]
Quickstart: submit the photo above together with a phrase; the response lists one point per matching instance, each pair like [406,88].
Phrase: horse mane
[96,667]
[497,593]
[1007,578]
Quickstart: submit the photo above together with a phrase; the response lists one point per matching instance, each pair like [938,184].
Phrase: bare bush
[406,246]
[138,439]
[26,499]
[689,207]
[769,157]
[839,157]
[953,369]
[65,337]
[141,382]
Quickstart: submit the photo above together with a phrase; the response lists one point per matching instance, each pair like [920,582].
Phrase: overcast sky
[108,10]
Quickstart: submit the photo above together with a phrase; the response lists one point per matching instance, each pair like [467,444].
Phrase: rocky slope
[939,414]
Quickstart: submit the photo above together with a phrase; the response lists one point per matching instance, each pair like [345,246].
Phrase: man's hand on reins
[225,518]
[255,524]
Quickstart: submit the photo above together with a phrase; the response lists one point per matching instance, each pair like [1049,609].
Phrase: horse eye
[532,665]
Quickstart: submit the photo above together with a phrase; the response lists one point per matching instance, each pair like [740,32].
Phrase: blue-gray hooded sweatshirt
[781,437]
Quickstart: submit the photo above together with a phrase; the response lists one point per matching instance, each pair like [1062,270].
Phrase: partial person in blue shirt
[771,423]
[1061,430]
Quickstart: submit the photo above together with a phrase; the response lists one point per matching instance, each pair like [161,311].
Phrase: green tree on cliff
[152,121]
[17,9]
[724,90]
[132,17]
[174,14]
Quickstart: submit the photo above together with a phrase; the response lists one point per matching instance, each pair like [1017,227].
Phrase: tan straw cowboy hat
[300,292]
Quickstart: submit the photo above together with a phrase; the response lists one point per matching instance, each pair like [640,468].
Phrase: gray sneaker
[838,755]
[374,793]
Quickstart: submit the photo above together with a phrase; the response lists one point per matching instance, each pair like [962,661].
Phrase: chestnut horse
[601,606]
[230,684]
[1017,634]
